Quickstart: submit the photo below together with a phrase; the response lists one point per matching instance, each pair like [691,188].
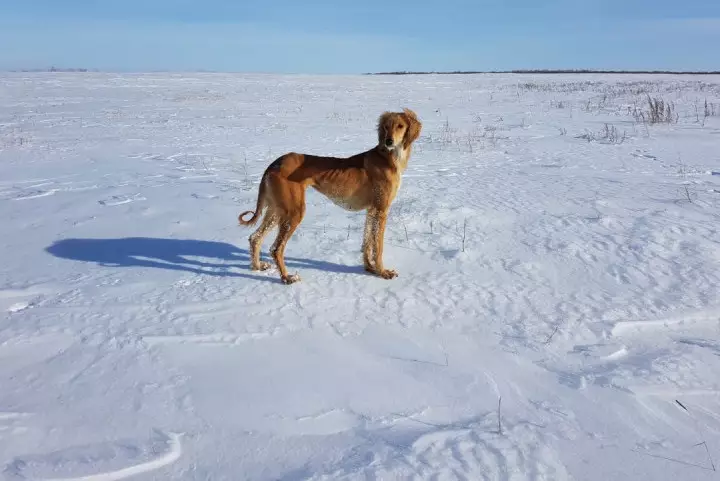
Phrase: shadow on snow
[197,256]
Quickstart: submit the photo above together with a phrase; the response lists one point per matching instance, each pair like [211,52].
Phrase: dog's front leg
[378,224]
[368,247]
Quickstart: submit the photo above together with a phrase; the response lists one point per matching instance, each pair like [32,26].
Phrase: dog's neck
[398,154]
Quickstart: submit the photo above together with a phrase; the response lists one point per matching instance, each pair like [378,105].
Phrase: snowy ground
[557,305]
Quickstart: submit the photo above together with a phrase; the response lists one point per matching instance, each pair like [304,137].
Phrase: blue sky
[324,36]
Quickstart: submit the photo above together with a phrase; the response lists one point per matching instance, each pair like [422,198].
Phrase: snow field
[555,317]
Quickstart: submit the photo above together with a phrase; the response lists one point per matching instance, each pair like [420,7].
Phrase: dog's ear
[381,126]
[414,127]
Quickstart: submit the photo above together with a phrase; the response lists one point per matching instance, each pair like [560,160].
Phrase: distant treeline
[549,71]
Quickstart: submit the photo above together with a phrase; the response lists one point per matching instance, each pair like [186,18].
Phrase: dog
[366,181]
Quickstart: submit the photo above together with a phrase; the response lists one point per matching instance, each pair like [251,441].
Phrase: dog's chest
[400,158]
[395,187]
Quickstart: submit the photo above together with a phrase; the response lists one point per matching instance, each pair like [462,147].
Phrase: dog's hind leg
[285,231]
[256,240]
[289,209]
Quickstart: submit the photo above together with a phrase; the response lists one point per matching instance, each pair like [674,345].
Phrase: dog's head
[397,129]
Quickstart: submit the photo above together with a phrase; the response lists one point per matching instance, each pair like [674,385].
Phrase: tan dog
[369,180]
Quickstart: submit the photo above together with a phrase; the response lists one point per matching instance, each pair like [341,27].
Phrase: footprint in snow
[19,306]
[204,196]
[121,199]
[35,194]
[644,155]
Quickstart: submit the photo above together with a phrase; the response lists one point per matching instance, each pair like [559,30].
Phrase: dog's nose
[388,142]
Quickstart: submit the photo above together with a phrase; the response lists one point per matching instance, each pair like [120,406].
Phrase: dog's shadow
[197,256]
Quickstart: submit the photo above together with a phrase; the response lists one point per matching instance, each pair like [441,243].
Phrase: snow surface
[556,316]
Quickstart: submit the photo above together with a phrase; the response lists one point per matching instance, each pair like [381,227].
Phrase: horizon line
[53,69]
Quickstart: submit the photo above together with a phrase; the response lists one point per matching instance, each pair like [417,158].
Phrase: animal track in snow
[17,300]
[19,306]
[603,352]
[34,194]
[121,199]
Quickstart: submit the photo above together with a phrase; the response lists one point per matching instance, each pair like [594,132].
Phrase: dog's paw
[290,279]
[262,266]
[388,274]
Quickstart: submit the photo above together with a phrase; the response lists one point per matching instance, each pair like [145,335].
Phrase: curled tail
[258,208]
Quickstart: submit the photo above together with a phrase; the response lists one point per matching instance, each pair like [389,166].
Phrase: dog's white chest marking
[400,157]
